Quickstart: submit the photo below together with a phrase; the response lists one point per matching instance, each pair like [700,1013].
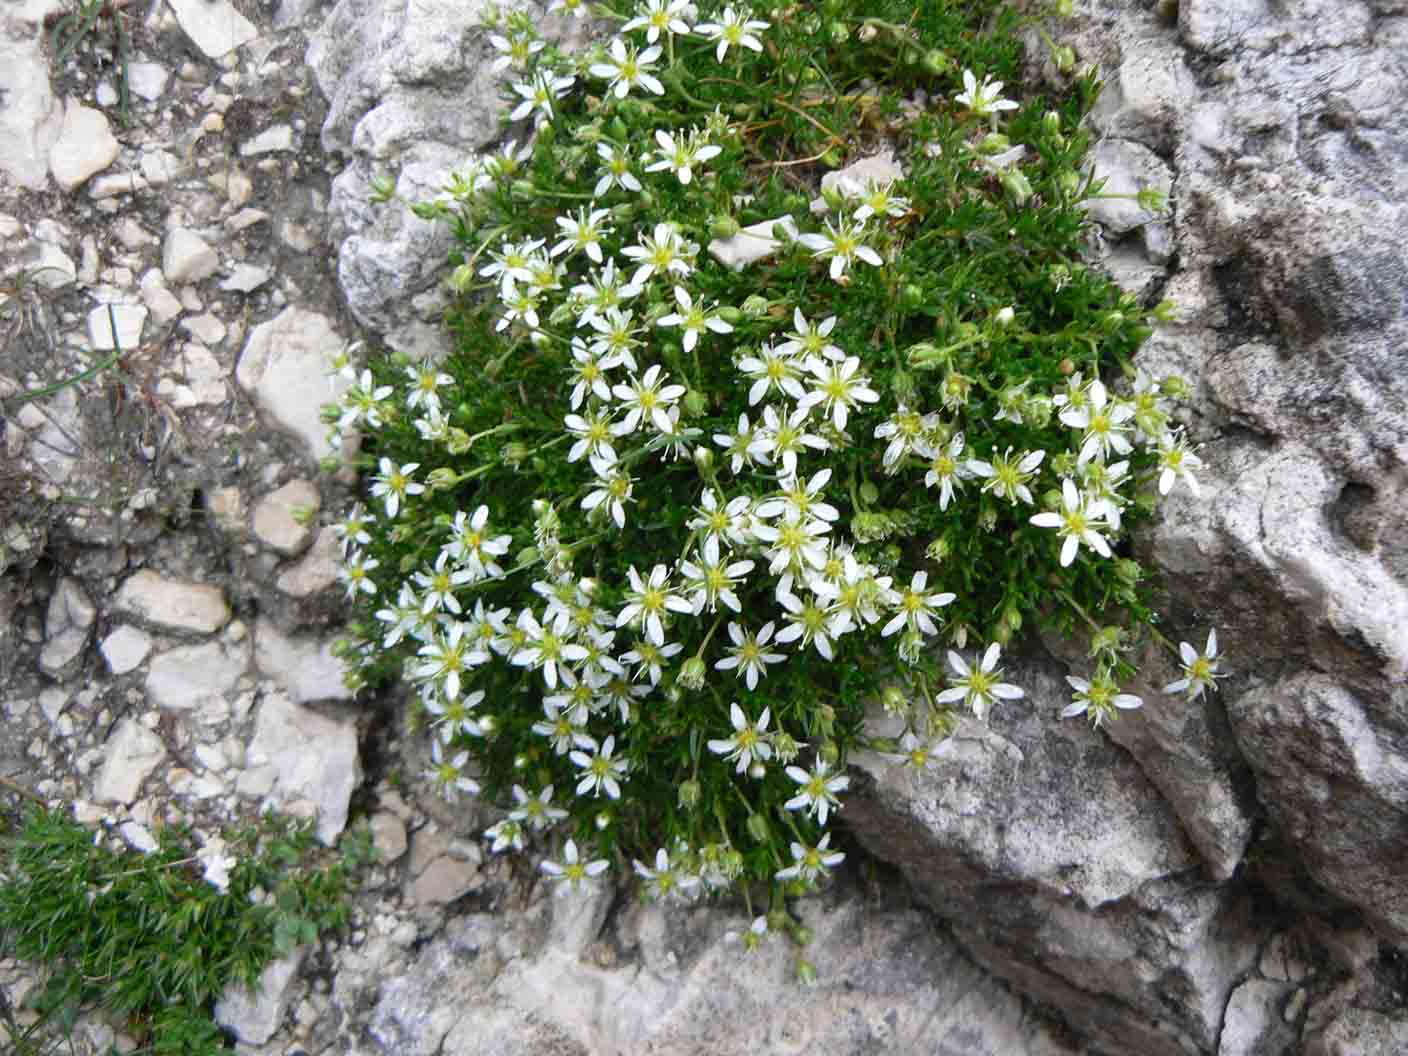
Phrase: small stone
[216,27]
[284,368]
[52,703]
[304,666]
[245,278]
[85,147]
[106,94]
[125,649]
[316,571]
[159,167]
[113,184]
[133,752]
[54,269]
[204,376]
[444,880]
[70,616]
[187,257]
[130,318]
[255,1016]
[138,837]
[226,506]
[388,836]
[171,604]
[147,80]
[188,677]
[206,329]
[211,758]
[160,301]
[274,518]
[245,218]
[752,244]
[853,180]
[271,140]
[212,123]
[133,235]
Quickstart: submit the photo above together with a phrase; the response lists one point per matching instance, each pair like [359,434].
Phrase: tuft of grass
[96,23]
[146,937]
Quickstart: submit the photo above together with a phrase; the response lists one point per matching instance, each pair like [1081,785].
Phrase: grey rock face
[131,754]
[255,1015]
[1058,864]
[284,368]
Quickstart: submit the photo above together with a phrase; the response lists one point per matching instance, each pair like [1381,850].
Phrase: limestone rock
[128,335]
[298,754]
[273,518]
[31,118]
[1098,895]
[186,257]
[172,605]
[214,26]
[70,618]
[304,666]
[191,676]
[255,1016]
[131,754]
[125,649]
[316,571]
[1253,1024]
[85,146]
[389,837]
[284,368]
[753,243]
[444,880]
[1358,1032]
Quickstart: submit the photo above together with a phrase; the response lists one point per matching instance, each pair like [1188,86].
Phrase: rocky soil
[1219,878]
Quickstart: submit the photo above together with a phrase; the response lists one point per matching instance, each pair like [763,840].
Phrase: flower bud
[902,384]
[1063,8]
[1067,366]
[987,518]
[1166,311]
[893,699]
[839,32]
[758,828]
[1004,317]
[618,129]
[754,307]
[602,821]
[936,62]
[520,761]
[1002,634]
[690,793]
[826,721]
[1017,185]
[1012,617]
[806,972]
[1051,121]
[383,188]
[488,725]
[693,674]
[704,459]
[869,493]
[993,143]
[1107,640]
[1129,571]
[514,453]
[925,356]
[329,413]
[939,550]
[785,747]
[1064,57]
[529,555]
[867,33]
[523,189]
[834,199]
[1051,499]
[1069,182]
[441,478]
[724,227]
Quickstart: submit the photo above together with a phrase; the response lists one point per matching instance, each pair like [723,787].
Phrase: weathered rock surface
[254,1016]
[284,369]
[131,754]
[172,605]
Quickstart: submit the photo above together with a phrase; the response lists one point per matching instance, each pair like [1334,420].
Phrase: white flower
[919,753]
[600,772]
[538,810]
[1099,698]
[364,402]
[545,648]
[735,27]
[616,341]
[811,863]
[646,398]
[737,445]
[1101,483]
[472,544]
[626,68]
[807,340]
[578,9]
[614,487]
[514,261]
[426,379]
[662,252]
[448,655]
[352,530]
[455,715]
[353,573]
[516,50]
[665,880]
[794,544]
[571,873]
[1076,522]
[978,686]
[1177,462]
[810,620]
[946,470]
[842,245]
[505,835]
[713,581]
[749,742]
[748,655]
[660,16]
[650,658]
[588,375]
[837,388]
[679,154]
[539,94]
[605,291]
[1104,430]
[772,368]
[695,319]
[649,600]
[403,618]
[616,170]
[1008,477]
[818,792]
[558,727]
[877,200]
[593,433]
[446,775]
[583,232]
[439,585]
[731,522]
[394,484]
[518,304]
[780,440]
[1199,672]
[917,608]
[984,100]
[799,501]
[905,429]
